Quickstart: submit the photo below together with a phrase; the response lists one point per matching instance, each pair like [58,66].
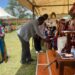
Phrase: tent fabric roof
[4,14]
[48,6]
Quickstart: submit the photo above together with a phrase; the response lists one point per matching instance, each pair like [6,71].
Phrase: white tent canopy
[5,15]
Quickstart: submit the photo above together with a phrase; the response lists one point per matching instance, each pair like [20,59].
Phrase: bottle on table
[73,50]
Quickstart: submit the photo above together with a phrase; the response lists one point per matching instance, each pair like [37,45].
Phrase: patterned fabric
[61,42]
[1,31]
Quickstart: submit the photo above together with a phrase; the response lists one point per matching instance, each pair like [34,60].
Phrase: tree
[11,7]
[15,9]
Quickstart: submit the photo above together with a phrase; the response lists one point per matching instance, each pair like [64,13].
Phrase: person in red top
[72,11]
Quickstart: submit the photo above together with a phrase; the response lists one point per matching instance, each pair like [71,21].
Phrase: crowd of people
[46,28]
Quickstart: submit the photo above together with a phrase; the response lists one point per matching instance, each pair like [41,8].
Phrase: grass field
[13,66]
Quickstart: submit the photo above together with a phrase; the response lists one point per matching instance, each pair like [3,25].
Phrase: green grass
[13,66]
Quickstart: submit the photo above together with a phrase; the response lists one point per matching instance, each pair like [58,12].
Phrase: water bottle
[73,50]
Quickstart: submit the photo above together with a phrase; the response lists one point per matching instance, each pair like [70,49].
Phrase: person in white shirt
[27,31]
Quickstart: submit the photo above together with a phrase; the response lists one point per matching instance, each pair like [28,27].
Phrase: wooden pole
[68,5]
[33,19]
[33,12]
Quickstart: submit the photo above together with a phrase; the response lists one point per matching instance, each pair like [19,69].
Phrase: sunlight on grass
[13,66]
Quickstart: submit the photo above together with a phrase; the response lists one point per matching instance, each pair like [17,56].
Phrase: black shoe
[23,62]
[1,62]
[31,60]
[28,62]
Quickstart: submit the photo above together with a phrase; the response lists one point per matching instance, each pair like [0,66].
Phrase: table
[61,63]
[64,62]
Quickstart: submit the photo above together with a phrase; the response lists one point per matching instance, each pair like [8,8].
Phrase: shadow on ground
[28,69]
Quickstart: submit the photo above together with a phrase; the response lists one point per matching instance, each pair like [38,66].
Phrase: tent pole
[68,5]
[33,13]
[30,2]
[53,5]
[33,19]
